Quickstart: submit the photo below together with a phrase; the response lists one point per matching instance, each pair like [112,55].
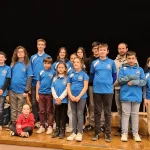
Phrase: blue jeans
[2,101]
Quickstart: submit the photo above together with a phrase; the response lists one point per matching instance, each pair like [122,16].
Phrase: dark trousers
[61,115]
[2,101]
[26,129]
[46,109]
[104,100]
[35,105]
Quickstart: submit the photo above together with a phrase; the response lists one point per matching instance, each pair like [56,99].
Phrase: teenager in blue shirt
[103,75]
[5,76]
[62,56]
[36,61]
[20,82]
[131,78]
[44,96]
[59,92]
[77,87]
[146,95]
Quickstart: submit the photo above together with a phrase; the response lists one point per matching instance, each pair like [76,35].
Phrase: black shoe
[107,138]
[56,133]
[62,134]
[89,128]
[102,128]
[118,132]
[95,137]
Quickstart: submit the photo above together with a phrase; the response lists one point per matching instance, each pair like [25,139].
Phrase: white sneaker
[71,137]
[54,125]
[79,137]
[136,137]
[68,129]
[0,128]
[49,130]
[40,130]
[12,133]
[124,137]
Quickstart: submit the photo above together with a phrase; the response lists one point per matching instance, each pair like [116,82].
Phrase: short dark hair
[48,60]
[124,44]
[95,44]
[2,53]
[130,53]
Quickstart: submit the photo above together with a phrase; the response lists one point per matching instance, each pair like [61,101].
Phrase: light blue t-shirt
[101,73]
[76,79]
[20,73]
[5,72]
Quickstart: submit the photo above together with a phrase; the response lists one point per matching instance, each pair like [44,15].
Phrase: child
[62,57]
[103,75]
[77,86]
[131,78]
[72,57]
[59,92]
[24,124]
[20,83]
[36,61]
[146,95]
[147,66]
[5,75]
[44,96]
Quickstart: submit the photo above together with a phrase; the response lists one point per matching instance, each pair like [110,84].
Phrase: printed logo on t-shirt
[80,78]
[4,72]
[64,82]
[124,68]
[109,66]
[138,72]
[23,69]
[50,75]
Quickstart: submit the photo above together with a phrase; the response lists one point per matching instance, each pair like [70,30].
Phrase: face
[72,57]
[77,64]
[2,58]
[131,60]
[80,53]
[62,54]
[95,50]
[148,64]
[20,53]
[47,65]
[103,52]
[61,69]
[26,109]
[41,46]
[122,50]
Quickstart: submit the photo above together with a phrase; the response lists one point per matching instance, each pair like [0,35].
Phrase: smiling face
[61,68]
[77,64]
[72,57]
[122,49]
[2,59]
[41,45]
[80,53]
[20,53]
[103,51]
[62,54]
[26,109]
[47,65]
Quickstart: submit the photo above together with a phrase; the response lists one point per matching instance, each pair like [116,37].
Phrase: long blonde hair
[15,57]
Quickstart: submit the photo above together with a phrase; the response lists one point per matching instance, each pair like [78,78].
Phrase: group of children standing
[59,91]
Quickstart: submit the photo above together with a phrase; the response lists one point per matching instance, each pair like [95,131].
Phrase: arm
[114,75]
[18,123]
[28,85]
[92,73]
[5,85]
[64,94]
[37,90]
[69,92]
[30,122]
[54,93]
[83,90]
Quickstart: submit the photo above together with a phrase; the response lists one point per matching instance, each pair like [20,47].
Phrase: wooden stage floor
[43,140]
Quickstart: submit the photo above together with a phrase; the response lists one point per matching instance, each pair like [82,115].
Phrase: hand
[58,101]
[146,102]
[1,92]
[77,98]
[129,83]
[23,134]
[72,98]
[25,94]
[19,126]
[37,97]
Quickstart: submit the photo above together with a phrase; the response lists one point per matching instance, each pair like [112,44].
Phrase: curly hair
[15,57]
